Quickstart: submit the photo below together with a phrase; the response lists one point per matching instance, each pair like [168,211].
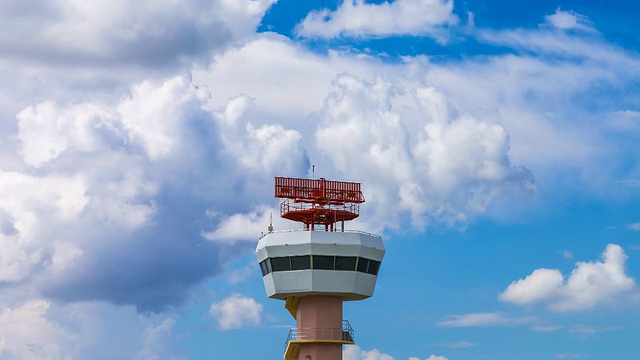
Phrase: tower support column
[319,326]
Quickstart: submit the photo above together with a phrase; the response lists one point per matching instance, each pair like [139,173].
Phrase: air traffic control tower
[318,267]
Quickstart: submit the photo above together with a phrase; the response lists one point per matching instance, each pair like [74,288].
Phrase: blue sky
[497,145]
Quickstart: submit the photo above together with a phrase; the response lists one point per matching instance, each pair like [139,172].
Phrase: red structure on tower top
[321,201]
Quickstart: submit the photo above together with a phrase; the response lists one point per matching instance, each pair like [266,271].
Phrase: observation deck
[299,336]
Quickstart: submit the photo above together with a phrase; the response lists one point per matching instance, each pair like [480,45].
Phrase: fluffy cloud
[38,329]
[540,93]
[354,352]
[435,357]
[246,226]
[154,116]
[264,149]
[107,209]
[589,284]
[26,333]
[404,124]
[105,186]
[508,84]
[24,201]
[151,118]
[415,151]
[67,51]
[540,285]
[120,194]
[355,18]
[541,105]
[283,79]
[236,311]
[151,33]
[113,198]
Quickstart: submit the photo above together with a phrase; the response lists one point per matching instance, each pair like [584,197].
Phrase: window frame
[361,264]
[345,268]
[326,257]
[306,265]
[280,261]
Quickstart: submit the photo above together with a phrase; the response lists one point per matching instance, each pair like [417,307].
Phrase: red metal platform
[318,201]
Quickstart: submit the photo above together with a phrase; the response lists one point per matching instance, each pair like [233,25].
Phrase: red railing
[318,190]
[289,205]
[320,201]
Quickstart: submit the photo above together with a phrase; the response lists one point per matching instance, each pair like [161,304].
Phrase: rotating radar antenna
[318,201]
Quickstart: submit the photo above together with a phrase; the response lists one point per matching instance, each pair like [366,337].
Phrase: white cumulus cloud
[354,352]
[155,33]
[24,202]
[589,284]
[356,18]
[107,188]
[153,115]
[143,171]
[266,149]
[246,226]
[236,311]
[40,329]
[25,333]
[416,152]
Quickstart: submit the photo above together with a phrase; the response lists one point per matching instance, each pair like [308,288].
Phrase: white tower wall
[356,258]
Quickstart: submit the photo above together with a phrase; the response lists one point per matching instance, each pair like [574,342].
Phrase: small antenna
[313,172]
[270,228]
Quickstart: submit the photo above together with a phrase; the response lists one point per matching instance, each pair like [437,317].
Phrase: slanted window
[280,263]
[320,262]
[345,263]
[301,262]
[323,262]
[374,266]
[363,265]
[264,268]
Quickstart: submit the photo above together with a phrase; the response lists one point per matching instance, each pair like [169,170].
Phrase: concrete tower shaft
[317,317]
